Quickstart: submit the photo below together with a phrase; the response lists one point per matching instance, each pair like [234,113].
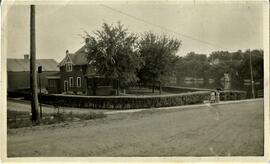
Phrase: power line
[162,27]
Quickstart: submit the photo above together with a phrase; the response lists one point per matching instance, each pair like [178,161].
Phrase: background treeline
[236,64]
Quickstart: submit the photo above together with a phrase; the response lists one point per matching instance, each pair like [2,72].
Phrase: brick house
[78,76]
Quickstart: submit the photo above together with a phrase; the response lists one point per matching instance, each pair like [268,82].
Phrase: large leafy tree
[197,64]
[114,53]
[192,65]
[257,64]
[159,54]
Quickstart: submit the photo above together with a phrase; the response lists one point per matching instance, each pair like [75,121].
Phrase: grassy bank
[19,119]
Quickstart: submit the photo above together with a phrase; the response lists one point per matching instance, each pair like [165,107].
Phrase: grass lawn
[144,91]
[19,119]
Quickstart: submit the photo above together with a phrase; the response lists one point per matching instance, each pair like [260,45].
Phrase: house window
[70,81]
[79,82]
[52,83]
[68,67]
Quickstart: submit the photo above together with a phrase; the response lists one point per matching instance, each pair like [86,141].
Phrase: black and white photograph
[135,79]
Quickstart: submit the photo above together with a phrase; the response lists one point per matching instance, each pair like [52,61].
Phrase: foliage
[193,65]
[257,64]
[159,54]
[236,64]
[114,53]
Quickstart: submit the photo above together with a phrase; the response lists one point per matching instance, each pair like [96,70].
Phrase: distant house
[18,72]
[78,76]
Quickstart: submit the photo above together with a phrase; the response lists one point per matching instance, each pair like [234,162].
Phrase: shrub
[232,95]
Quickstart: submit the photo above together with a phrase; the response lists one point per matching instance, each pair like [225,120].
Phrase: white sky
[230,26]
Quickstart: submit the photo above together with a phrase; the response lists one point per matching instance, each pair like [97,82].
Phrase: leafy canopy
[114,53]
[159,54]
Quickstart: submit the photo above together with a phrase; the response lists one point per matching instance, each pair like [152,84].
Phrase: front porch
[100,86]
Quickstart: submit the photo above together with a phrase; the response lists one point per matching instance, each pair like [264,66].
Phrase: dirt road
[222,130]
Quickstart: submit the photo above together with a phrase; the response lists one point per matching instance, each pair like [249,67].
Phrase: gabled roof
[77,58]
[17,65]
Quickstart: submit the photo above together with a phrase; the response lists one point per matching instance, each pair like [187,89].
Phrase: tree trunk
[33,73]
[118,87]
[160,89]
[94,86]
[153,88]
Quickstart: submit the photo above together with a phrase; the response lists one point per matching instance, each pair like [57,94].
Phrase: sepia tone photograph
[135,79]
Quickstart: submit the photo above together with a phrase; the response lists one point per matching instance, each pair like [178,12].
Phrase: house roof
[17,65]
[77,58]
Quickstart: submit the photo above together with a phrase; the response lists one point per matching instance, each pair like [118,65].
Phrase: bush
[232,95]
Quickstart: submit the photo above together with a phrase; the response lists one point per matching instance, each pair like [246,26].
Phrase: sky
[202,28]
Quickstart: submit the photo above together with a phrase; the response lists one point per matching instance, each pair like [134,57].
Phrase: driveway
[221,130]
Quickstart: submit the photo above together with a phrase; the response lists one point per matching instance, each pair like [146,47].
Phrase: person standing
[213,97]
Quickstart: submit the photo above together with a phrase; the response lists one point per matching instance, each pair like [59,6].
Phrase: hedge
[15,94]
[125,102]
[232,95]
[132,102]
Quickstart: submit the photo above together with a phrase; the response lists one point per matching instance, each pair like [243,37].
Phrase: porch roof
[93,75]
[53,77]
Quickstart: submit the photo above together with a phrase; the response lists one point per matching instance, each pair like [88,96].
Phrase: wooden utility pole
[33,73]
[251,75]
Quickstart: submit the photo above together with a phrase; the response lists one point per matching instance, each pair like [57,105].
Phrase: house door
[65,86]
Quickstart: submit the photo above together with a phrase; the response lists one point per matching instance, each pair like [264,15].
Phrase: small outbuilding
[18,72]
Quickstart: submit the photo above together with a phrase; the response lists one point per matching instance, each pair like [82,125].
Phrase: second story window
[68,67]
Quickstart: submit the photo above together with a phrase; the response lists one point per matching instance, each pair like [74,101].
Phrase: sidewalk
[184,106]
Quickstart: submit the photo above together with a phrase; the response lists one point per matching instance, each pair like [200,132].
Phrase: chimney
[87,40]
[66,51]
[26,57]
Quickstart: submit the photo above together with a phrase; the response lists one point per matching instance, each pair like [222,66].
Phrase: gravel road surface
[220,130]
